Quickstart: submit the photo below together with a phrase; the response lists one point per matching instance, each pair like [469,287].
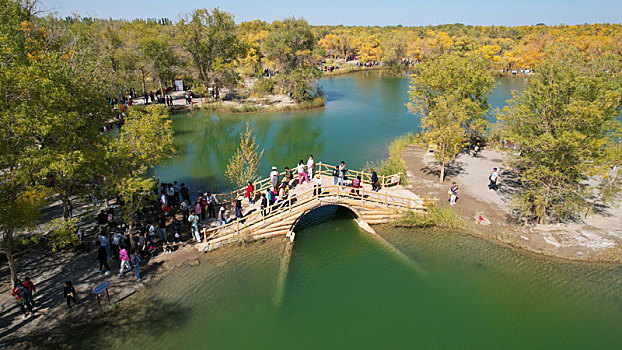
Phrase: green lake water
[344,289]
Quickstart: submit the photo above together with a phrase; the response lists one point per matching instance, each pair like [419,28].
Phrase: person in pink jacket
[125,261]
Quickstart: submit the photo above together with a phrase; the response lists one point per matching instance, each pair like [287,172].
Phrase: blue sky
[361,12]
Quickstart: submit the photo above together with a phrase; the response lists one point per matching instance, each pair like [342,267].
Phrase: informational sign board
[100,288]
[179,85]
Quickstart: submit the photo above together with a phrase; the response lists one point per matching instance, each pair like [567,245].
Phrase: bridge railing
[322,169]
[315,193]
[384,180]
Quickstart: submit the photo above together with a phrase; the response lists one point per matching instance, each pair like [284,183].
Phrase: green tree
[450,93]
[157,49]
[565,123]
[145,140]
[290,44]
[212,42]
[49,121]
[244,164]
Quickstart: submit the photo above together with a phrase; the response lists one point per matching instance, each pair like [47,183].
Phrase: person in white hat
[221,217]
[274,178]
[238,207]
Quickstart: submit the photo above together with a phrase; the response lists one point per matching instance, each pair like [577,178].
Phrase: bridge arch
[354,212]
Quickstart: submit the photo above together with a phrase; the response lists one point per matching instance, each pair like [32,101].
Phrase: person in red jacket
[249,192]
[23,301]
[30,288]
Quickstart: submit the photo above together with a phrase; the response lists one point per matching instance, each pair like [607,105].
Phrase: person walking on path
[31,289]
[310,166]
[274,178]
[494,176]
[193,219]
[176,190]
[21,295]
[136,263]
[105,242]
[70,294]
[185,210]
[102,258]
[301,173]
[375,186]
[161,227]
[184,192]
[198,209]
[249,192]
[125,261]
[342,172]
[211,205]
[453,193]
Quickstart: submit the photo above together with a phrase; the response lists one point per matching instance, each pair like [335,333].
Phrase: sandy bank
[596,238]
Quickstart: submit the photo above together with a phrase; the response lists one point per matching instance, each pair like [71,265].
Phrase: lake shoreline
[590,241]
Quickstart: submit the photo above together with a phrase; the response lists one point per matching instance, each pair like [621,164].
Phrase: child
[70,294]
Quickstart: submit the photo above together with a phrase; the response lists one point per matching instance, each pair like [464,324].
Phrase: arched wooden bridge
[367,207]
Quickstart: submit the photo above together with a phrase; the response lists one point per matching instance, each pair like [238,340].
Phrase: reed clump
[433,217]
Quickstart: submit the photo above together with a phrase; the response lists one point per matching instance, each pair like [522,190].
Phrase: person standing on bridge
[301,172]
[264,204]
[249,192]
[274,179]
[222,217]
[310,166]
[342,172]
[288,177]
[374,181]
[238,207]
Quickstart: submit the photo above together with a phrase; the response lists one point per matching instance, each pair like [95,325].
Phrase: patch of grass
[394,163]
[434,216]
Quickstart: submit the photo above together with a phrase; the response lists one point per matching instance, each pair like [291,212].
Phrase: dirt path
[50,270]
[597,238]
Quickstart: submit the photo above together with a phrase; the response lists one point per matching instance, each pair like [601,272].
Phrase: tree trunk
[8,251]
[442,177]
[66,205]
[142,72]
[130,227]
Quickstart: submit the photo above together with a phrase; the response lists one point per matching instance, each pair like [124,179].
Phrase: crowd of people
[160,231]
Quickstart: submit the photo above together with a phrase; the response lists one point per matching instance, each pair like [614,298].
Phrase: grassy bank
[434,217]
[394,163]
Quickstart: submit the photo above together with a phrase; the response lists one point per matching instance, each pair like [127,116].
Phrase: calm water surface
[343,288]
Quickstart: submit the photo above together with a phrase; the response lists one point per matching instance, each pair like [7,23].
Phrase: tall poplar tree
[450,94]
[566,124]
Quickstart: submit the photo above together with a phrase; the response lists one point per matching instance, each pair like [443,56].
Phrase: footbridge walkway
[367,207]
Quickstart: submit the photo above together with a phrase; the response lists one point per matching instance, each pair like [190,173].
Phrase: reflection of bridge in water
[367,207]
